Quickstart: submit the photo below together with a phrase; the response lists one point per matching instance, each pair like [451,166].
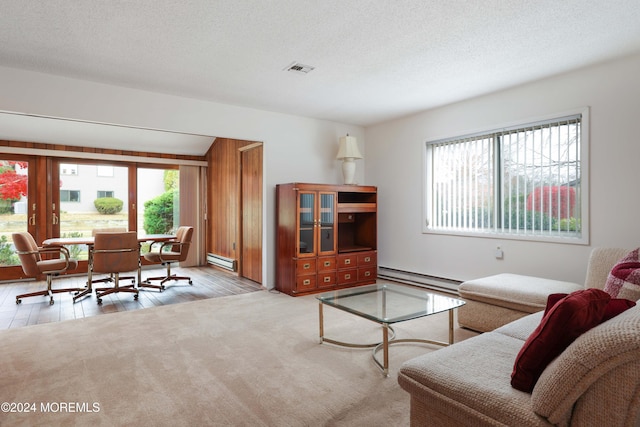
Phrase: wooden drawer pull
[327,263]
[367,273]
[347,276]
[306,266]
[347,261]
[327,279]
[306,282]
[367,259]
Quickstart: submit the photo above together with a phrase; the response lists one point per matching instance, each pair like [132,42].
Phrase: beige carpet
[245,360]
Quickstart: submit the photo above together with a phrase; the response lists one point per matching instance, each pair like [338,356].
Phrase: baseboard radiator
[222,262]
[432,282]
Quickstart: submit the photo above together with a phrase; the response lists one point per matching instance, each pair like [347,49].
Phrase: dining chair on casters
[115,253]
[34,265]
[109,278]
[168,252]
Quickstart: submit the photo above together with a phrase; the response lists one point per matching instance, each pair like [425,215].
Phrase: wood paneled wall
[224,197]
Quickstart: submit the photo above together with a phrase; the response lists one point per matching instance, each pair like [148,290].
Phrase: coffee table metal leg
[385,348]
[450,327]
[321,321]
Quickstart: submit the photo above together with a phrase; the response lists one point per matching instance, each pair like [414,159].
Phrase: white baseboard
[418,279]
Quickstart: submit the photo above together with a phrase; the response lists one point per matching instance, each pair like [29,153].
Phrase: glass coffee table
[386,304]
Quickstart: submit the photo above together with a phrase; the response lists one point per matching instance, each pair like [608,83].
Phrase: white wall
[394,163]
[296,149]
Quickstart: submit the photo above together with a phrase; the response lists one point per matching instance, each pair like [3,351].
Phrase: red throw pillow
[615,306]
[552,300]
[570,317]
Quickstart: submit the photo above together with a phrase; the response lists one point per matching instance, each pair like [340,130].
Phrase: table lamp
[348,153]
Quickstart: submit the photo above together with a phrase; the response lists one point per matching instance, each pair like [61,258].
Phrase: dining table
[88,240]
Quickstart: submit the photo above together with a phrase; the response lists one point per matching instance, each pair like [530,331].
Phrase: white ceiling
[374,59]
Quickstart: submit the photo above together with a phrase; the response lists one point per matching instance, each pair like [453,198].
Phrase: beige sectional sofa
[594,382]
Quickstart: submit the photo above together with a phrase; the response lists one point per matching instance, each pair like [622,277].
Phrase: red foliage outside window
[12,184]
[561,198]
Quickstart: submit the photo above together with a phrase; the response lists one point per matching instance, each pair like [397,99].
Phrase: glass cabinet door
[327,223]
[307,220]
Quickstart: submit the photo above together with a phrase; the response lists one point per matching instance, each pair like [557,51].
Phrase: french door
[21,203]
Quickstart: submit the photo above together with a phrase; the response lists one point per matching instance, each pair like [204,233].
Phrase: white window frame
[98,196]
[69,193]
[583,239]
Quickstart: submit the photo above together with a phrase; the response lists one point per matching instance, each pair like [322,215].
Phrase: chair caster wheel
[51,301]
[191,282]
[18,301]
[135,297]
[99,301]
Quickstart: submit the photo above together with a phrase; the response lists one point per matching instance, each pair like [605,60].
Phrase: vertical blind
[521,180]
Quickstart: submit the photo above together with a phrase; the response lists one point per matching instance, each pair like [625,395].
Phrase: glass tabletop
[388,302]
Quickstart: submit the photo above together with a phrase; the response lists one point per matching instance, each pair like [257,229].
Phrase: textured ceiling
[374,60]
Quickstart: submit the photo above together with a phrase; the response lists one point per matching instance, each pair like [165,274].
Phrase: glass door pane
[327,222]
[92,196]
[306,239]
[158,200]
[16,213]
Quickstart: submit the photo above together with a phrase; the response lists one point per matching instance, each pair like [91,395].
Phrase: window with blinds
[520,181]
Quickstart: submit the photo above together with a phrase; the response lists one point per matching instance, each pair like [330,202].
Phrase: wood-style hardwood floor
[207,283]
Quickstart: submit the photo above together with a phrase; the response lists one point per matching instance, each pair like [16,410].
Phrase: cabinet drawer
[305,266]
[347,261]
[367,273]
[305,283]
[326,279]
[326,264]
[347,276]
[367,258]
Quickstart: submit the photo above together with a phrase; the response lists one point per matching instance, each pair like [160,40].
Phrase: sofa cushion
[566,320]
[592,355]
[514,291]
[624,278]
[521,328]
[471,379]
[615,306]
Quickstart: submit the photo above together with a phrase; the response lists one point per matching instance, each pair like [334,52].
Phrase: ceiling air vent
[296,67]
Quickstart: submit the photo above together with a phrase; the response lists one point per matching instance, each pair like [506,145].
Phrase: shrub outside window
[524,182]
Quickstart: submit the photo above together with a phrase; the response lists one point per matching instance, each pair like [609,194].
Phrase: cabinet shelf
[356,207]
[349,249]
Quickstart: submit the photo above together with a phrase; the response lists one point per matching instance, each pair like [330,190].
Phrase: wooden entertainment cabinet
[326,237]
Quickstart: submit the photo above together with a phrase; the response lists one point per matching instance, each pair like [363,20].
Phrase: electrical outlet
[498,253]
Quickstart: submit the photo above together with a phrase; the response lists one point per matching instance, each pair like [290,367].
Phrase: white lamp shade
[348,148]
